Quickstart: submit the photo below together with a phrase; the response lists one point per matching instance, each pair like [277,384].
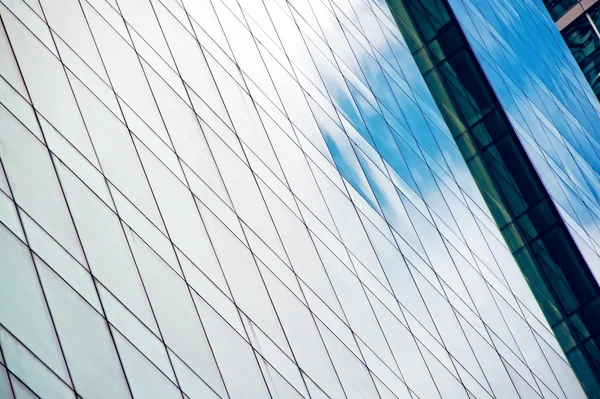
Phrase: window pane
[177,318]
[35,187]
[23,310]
[105,246]
[85,339]
[235,357]
[24,365]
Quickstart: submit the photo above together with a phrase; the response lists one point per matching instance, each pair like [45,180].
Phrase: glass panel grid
[246,199]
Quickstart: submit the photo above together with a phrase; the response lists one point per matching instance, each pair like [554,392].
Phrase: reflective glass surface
[247,199]
[558,8]
[583,38]
[557,120]
[548,102]
[538,238]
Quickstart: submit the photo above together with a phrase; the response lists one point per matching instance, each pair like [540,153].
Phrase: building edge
[523,210]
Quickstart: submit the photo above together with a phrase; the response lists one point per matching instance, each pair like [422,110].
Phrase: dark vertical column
[528,219]
[558,8]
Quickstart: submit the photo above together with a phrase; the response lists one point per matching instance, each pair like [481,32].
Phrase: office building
[296,199]
[526,121]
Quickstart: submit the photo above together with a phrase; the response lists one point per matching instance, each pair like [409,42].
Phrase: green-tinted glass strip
[528,219]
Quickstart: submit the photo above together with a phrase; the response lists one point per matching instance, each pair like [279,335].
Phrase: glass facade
[522,207]
[557,119]
[549,104]
[583,38]
[579,23]
[263,199]
[558,8]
